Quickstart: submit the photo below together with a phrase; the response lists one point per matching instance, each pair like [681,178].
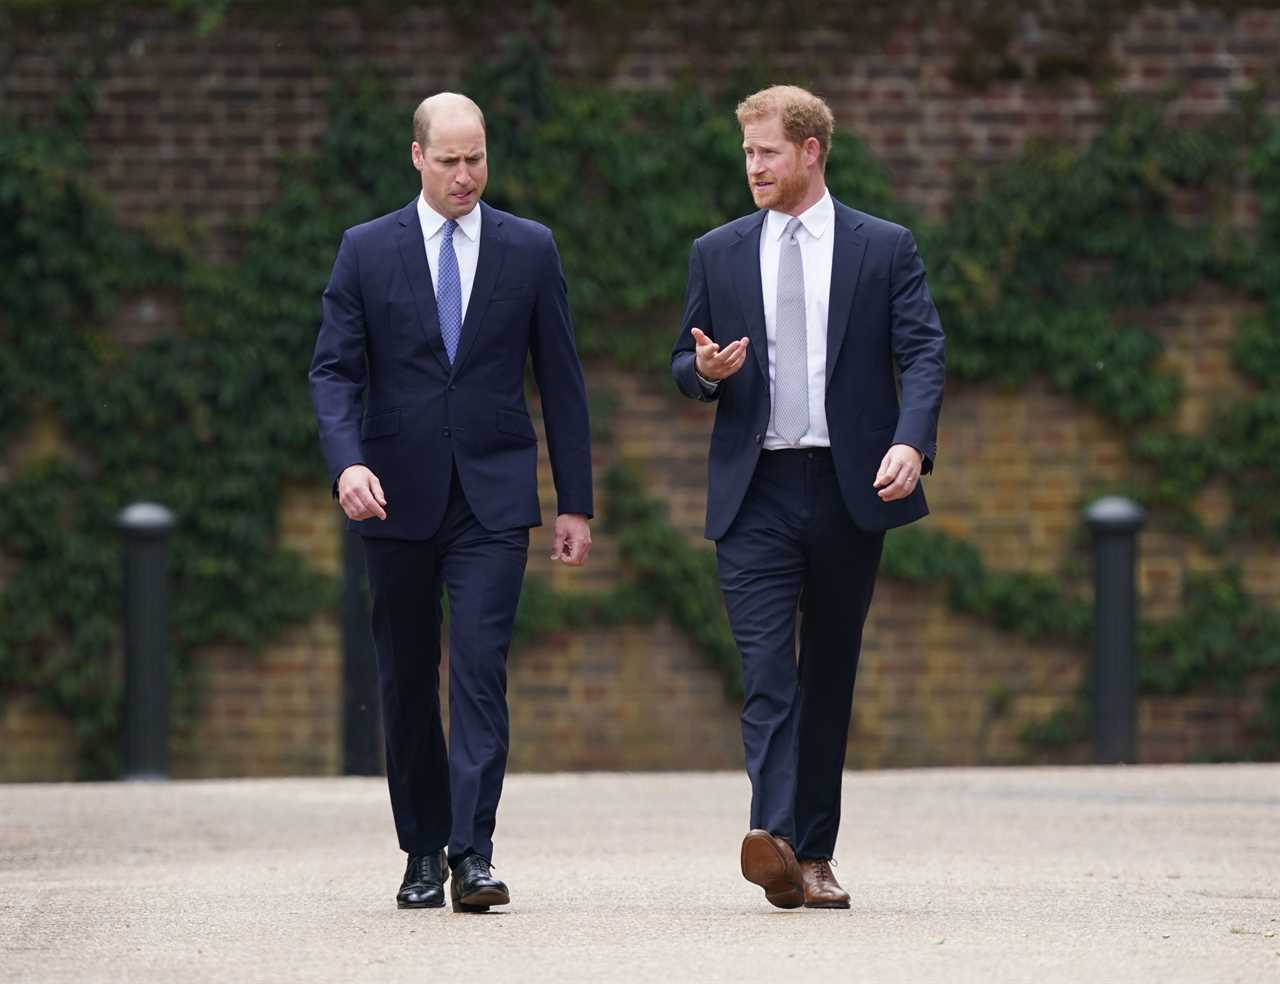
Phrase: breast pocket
[512,292]
[516,424]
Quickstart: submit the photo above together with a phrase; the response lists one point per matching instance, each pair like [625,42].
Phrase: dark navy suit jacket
[879,315]
[386,396]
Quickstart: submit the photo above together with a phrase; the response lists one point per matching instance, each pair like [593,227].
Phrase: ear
[812,151]
[415,154]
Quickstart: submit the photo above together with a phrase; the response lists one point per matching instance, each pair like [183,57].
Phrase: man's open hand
[715,363]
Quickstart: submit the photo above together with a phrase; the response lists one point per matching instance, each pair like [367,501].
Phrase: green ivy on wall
[1037,272]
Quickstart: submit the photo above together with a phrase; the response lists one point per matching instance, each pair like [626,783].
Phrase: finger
[578,552]
[882,476]
[704,343]
[557,549]
[368,504]
[376,486]
[727,353]
[901,487]
[894,490]
[375,508]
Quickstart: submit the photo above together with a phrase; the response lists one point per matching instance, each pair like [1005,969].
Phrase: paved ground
[1137,874]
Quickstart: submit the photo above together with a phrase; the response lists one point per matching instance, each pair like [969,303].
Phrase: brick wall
[188,136]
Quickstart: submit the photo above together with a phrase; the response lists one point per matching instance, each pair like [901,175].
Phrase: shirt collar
[816,219]
[432,220]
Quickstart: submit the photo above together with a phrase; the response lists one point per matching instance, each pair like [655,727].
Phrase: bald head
[443,108]
[448,150]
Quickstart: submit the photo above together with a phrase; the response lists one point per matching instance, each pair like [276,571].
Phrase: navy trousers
[793,549]
[446,795]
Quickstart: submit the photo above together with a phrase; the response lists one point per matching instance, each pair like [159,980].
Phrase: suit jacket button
[759,438]
[446,432]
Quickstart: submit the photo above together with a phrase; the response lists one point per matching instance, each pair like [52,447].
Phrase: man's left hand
[573,539]
[899,472]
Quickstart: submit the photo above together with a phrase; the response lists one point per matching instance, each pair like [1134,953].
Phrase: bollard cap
[1115,514]
[145,518]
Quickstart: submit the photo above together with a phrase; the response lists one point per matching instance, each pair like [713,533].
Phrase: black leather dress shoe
[474,888]
[423,886]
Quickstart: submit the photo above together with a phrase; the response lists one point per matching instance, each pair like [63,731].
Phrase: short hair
[803,115]
[422,115]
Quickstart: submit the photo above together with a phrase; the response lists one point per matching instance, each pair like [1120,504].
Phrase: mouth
[460,196]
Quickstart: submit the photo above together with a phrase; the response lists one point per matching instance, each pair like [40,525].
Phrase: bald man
[429,317]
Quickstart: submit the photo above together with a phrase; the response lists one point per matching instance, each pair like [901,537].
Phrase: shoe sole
[763,864]
[826,905]
[419,905]
[480,901]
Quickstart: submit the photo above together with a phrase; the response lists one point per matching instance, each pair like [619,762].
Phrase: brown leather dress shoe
[821,890]
[769,862]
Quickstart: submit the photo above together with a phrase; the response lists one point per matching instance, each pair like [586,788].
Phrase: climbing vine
[1039,271]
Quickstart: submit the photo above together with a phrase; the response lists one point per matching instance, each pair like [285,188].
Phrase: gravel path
[1121,874]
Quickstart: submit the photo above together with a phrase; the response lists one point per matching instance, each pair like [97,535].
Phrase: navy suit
[455,450]
[802,530]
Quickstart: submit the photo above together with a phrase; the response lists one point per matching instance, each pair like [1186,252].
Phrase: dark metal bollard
[146,528]
[1114,522]
[361,731]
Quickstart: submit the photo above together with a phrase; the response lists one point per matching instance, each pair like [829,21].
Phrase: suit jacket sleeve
[697,314]
[558,372]
[918,347]
[338,368]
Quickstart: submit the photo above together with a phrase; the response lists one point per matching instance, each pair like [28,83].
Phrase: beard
[784,194]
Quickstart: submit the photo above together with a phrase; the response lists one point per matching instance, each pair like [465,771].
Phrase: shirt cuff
[708,385]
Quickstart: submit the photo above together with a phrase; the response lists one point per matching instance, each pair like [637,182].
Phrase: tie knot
[449,226]
[792,227]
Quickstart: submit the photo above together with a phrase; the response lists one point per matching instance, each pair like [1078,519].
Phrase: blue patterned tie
[449,292]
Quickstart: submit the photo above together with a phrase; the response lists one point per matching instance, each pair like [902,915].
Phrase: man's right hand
[715,363]
[360,493]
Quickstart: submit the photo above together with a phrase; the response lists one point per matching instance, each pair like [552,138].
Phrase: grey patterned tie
[790,345]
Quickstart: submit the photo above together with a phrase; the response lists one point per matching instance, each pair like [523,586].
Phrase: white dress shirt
[466,245]
[817,238]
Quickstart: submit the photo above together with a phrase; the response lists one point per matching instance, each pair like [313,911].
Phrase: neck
[817,188]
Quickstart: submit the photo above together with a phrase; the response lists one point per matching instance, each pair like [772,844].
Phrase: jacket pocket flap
[380,425]
[517,424]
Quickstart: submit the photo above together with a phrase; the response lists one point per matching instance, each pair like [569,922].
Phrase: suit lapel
[746,275]
[846,265]
[493,242]
[413,254]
